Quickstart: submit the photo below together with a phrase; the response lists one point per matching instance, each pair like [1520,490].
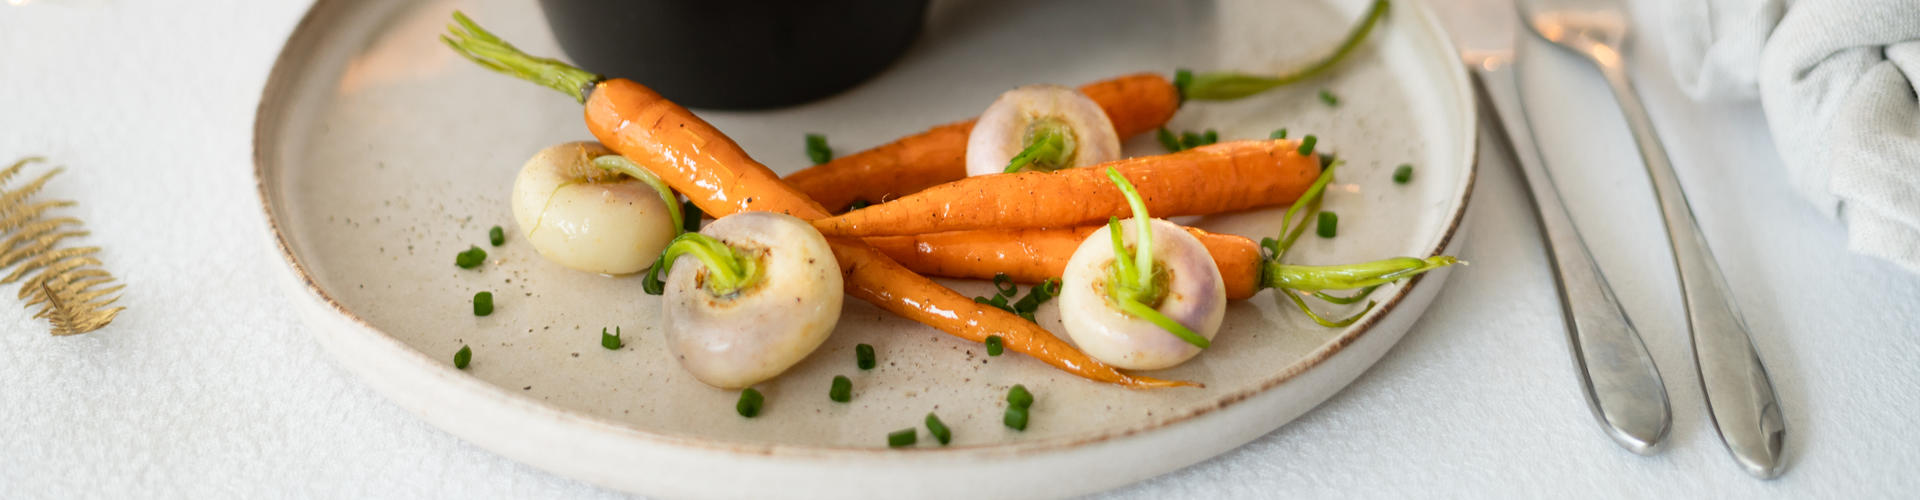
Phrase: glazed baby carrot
[1222,177]
[1135,103]
[711,170]
[1032,255]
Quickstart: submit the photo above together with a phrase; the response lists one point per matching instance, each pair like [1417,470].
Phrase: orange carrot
[1033,255]
[702,163]
[1222,177]
[1135,104]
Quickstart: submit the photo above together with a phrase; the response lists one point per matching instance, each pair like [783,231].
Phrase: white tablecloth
[207,386]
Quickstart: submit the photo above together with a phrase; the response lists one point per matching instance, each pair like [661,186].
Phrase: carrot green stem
[1348,276]
[1305,205]
[1356,297]
[1227,85]
[1050,147]
[481,47]
[728,270]
[1302,303]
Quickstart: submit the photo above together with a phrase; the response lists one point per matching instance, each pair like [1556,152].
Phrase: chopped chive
[1016,418]
[939,430]
[863,354]
[995,345]
[859,204]
[842,390]
[1306,144]
[611,342]
[462,357]
[903,437]
[1278,134]
[693,214]
[1000,301]
[1168,140]
[817,149]
[1004,283]
[1211,136]
[1018,397]
[471,258]
[1329,98]
[1027,315]
[497,236]
[1189,140]
[750,401]
[1403,174]
[482,303]
[1328,226]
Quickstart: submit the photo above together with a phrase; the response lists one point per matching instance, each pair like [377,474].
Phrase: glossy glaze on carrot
[1211,179]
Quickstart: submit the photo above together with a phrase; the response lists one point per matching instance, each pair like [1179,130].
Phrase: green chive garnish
[471,258]
[1018,397]
[1181,79]
[842,390]
[1403,174]
[1329,98]
[902,437]
[1278,134]
[750,401]
[1306,144]
[864,355]
[462,357]
[939,430]
[817,149]
[1210,137]
[611,341]
[1329,225]
[995,345]
[482,303]
[1004,283]
[496,236]
[1168,140]
[1016,418]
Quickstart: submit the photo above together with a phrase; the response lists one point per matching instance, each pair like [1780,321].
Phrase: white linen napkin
[1837,80]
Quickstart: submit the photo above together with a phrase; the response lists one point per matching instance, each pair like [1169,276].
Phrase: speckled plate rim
[304,36]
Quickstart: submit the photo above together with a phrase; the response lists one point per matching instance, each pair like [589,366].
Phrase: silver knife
[1622,385]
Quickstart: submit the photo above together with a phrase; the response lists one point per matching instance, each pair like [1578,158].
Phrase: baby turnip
[1041,127]
[1142,295]
[749,296]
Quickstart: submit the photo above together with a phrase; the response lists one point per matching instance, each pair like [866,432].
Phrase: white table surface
[207,386]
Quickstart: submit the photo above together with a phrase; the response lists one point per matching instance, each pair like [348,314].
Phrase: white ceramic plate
[381,154]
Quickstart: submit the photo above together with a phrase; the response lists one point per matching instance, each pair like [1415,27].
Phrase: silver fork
[1740,396]
[1622,385]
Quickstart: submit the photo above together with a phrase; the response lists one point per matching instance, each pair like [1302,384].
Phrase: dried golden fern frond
[74,293]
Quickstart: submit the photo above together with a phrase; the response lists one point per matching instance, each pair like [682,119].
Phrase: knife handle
[1622,385]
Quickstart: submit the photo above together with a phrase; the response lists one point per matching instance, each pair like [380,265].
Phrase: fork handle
[1622,385]
[1740,395]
